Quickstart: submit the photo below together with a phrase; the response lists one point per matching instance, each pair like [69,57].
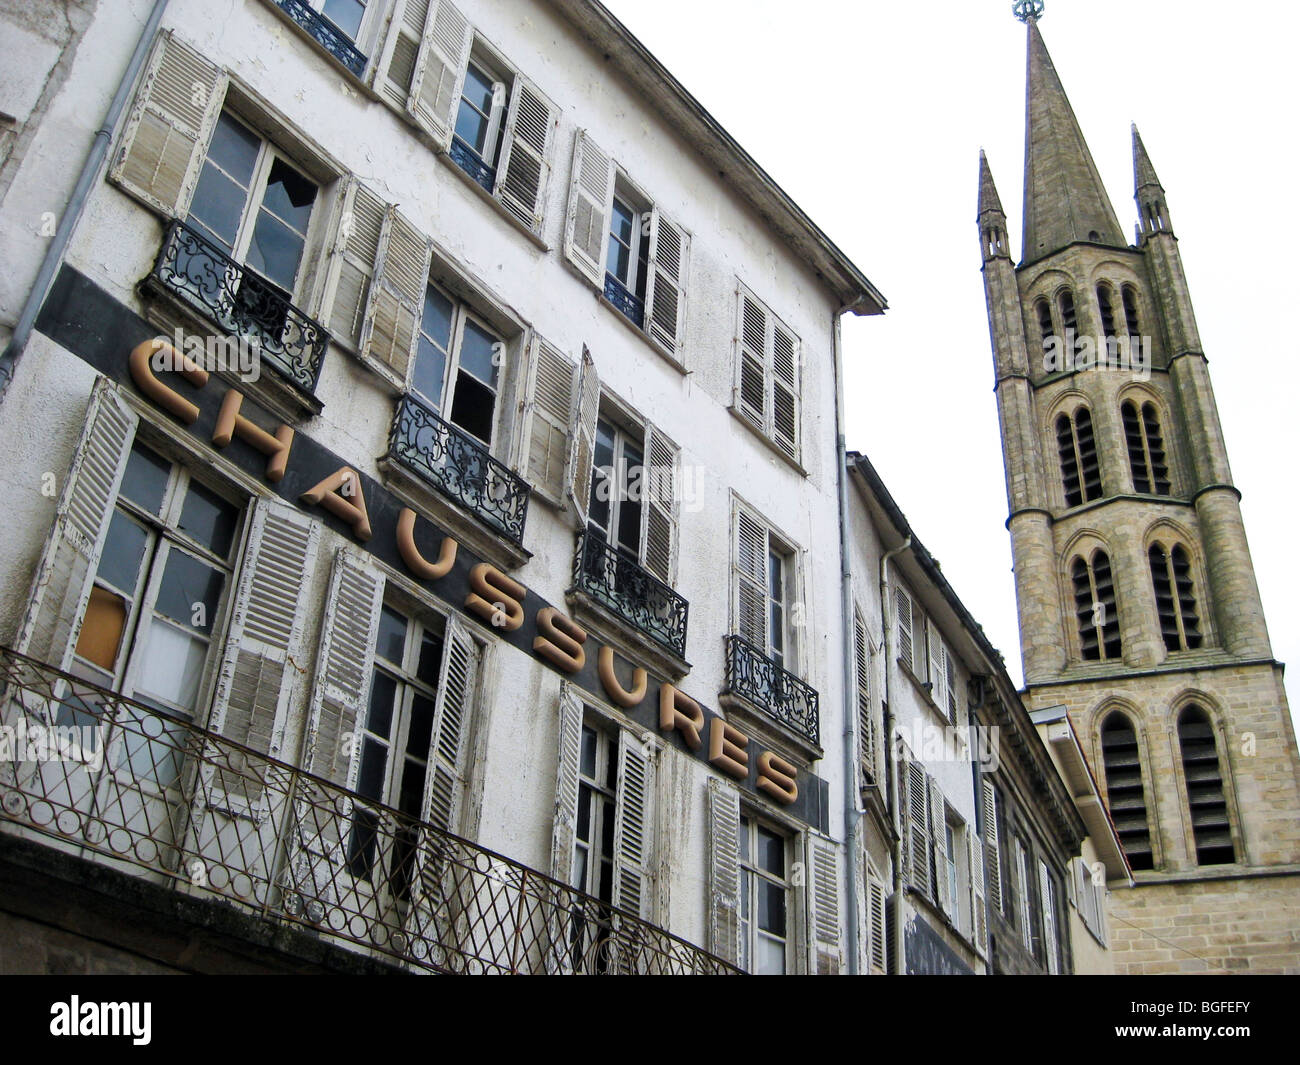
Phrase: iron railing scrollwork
[113,781]
[472,163]
[243,304]
[621,584]
[754,676]
[326,34]
[631,308]
[459,467]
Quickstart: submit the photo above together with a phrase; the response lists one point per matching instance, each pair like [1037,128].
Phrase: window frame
[792,658]
[752,823]
[772,325]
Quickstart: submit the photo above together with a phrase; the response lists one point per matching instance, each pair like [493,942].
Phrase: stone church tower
[1139,610]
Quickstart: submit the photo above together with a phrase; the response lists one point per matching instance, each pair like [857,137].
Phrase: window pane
[145,479]
[152,746]
[190,591]
[172,665]
[383,694]
[746,827]
[420,734]
[771,957]
[436,322]
[617,263]
[289,196]
[427,668]
[430,371]
[588,763]
[234,148]
[275,251]
[621,223]
[374,762]
[346,15]
[218,204]
[102,628]
[119,565]
[411,793]
[477,351]
[583,828]
[478,89]
[771,907]
[209,520]
[771,852]
[392,635]
[472,407]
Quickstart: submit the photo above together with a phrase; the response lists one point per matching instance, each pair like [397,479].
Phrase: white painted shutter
[749,566]
[938,668]
[591,194]
[992,848]
[917,795]
[263,643]
[1022,893]
[951,705]
[582,449]
[167,132]
[1047,896]
[568,759]
[660,513]
[821,890]
[979,927]
[353,254]
[341,683]
[939,846]
[524,169]
[867,742]
[876,924]
[724,870]
[634,829]
[445,781]
[666,287]
[920,644]
[63,581]
[903,611]
[439,71]
[751,373]
[401,52]
[550,416]
[785,390]
[391,329]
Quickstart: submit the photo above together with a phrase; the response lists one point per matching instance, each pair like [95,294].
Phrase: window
[1146,448]
[1171,577]
[1211,828]
[767,374]
[1069,319]
[764,898]
[1125,791]
[763,578]
[1047,896]
[457,365]
[1080,470]
[1106,304]
[621,241]
[159,593]
[1030,933]
[1130,299]
[1095,609]
[923,650]
[1046,331]
[344,14]
[496,126]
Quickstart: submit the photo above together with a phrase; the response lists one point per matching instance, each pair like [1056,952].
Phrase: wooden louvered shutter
[749,568]
[634,828]
[939,847]
[724,871]
[903,612]
[938,668]
[950,685]
[876,950]
[583,446]
[353,254]
[264,640]
[401,52]
[569,753]
[660,515]
[341,684]
[62,585]
[751,379]
[666,286]
[867,743]
[785,390]
[524,169]
[167,132]
[396,304]
[445,783]
[439,71]
[979,927]
[550,414]
[586,225]
[920,644]
[918,827]
[822,894]
[992,848]
[1047,898]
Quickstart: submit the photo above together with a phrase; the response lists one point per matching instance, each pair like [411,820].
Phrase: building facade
[1139,611]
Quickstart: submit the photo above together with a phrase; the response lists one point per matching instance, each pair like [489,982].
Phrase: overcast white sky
[871,114]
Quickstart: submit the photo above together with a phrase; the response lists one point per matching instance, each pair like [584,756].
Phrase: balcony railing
[241,303]
[472,163]
[638,597]
[160,798]
[754,676]
[459,467]
[326,34]
[632,308]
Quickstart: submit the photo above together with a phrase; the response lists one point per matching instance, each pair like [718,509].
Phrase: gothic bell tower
[1138,605]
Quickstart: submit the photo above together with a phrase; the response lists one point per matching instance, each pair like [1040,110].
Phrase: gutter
[90,174]
[891,763]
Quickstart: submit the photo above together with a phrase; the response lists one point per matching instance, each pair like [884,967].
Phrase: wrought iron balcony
[753,676]
[472,163]
[242,303]
[631,308]
[630,592]
[459,467]
[326,34]
[160,798]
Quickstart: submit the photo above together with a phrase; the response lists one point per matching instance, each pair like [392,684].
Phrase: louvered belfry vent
[1211,829]
[1125,793]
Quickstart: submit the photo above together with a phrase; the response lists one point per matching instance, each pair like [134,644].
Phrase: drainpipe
[90,174]
[891,764]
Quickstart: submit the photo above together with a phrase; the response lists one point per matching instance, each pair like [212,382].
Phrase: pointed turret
[992,218]
[1148,191]
[1065,201]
